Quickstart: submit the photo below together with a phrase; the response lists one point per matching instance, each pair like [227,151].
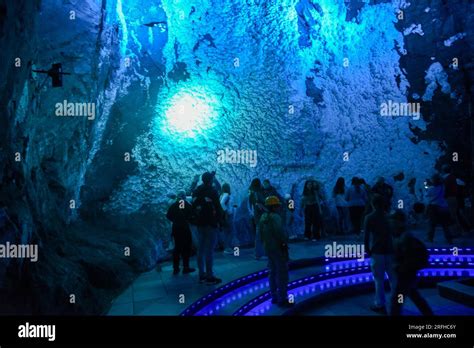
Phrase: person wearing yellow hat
[275,243]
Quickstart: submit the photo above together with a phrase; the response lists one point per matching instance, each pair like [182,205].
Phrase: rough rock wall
[16,38]
[440,53]
[300,82]
[41,190]
[439,65]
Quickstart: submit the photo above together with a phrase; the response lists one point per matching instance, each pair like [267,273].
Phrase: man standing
[179,214]
[385,190]
[437,210]
[451,196]
[378,244]
[208,214]
[275,243]
[410,255]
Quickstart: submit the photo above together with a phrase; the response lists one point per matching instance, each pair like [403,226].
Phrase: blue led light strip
[227,293]
[239,282]
[262,304]
[217,306]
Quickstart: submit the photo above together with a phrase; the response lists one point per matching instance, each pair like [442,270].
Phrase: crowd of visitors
[361,210]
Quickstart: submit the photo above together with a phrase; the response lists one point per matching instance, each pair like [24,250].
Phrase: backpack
[204,211]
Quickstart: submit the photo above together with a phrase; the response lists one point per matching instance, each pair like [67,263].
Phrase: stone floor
[158,292]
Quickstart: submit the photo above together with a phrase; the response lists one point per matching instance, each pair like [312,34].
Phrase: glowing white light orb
[189,113]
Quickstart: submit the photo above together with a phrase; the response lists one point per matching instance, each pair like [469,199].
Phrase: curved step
[225,299]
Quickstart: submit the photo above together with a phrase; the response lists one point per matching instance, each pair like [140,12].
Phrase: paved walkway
[158,292]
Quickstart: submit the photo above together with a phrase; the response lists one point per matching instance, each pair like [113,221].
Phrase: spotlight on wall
[187,113]
[56,73]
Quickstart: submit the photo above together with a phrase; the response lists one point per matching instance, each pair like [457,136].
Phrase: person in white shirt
[227,205]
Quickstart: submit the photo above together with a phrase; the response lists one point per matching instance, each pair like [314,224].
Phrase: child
[275,241]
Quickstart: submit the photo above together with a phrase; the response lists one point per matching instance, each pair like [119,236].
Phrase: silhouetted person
[339,193]
[311,206]
[410,255]
[268,190]
[384,190]
[379,246]
[356,198]
[257,208]
[180,214]
[208,211]
[322,205]
[451,196]
[275,242]
[461,195]
[3,217]
[369,194]
[437,210]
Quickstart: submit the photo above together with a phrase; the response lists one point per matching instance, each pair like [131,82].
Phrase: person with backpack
[180,213]
[228,217]
[379,246]
[410,255]
[275,243]
[208,214]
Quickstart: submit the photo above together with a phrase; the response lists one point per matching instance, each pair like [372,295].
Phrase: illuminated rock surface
[299,81]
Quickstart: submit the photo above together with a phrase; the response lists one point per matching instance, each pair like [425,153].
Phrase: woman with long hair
[369,193]
[311,206]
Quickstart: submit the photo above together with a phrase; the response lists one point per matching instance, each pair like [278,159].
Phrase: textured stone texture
[290,53]
[55,153]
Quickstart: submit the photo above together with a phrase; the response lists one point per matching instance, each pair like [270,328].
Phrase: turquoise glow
[189,112]
[123,24]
